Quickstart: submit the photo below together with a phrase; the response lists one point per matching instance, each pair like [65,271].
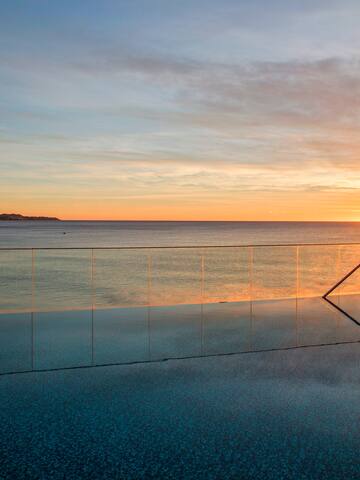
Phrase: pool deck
[285,414]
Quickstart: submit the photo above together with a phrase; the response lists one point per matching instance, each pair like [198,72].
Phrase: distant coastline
[12,217]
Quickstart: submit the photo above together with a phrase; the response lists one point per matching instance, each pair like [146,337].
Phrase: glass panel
[15,280]
[317,322]
[15,342]
[226,328]
[226,275]
[62,279]
[176,277]
[348,330]
[349,258]
[319,269]
[349,303]
[62,339]
[175,331]
[199,297]
[120,278]
[274,324]
[274,273]
[121,335]
[351,286]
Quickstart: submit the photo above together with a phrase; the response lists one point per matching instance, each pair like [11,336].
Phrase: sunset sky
[183,110]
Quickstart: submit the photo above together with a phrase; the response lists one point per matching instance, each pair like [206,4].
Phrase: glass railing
[58,279]
[65,308]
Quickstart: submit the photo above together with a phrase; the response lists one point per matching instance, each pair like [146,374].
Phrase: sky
[180,110]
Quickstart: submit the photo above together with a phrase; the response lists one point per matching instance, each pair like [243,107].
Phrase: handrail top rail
[177,247]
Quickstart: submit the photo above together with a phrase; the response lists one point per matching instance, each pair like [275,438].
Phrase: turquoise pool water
[291,412]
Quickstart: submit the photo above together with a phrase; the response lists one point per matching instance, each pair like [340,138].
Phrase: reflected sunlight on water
[52,280]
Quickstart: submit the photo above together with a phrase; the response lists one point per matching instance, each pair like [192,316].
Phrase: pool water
[269,390]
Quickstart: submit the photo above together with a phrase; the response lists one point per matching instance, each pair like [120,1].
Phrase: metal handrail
[337,285]
[176,247]
[341,281]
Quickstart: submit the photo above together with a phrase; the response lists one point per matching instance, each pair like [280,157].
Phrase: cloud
[197,128]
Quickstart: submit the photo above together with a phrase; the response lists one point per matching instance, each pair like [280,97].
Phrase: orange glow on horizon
[268,206]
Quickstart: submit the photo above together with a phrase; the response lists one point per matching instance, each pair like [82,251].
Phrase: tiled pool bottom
[56,340]
[290,414]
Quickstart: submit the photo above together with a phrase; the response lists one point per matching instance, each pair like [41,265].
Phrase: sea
[166,233]
[76,265]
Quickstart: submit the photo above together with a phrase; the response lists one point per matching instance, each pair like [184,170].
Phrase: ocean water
[63,278]
[113,234]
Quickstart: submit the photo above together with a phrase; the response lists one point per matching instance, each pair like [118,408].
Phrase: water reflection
[58,279]
[53,340]
[348,305]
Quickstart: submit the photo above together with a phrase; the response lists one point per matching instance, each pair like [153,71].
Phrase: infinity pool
[268,390]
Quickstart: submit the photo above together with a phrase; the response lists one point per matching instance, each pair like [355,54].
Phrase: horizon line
[175,221]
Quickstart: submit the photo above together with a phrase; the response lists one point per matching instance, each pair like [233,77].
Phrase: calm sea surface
[101,234]
[65,279]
